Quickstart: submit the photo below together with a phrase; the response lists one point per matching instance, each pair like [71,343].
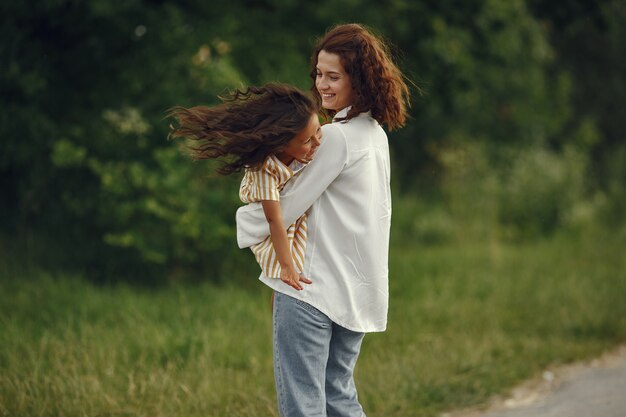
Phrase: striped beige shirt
[266,183]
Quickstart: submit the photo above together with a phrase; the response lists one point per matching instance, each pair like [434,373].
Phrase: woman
[346,189]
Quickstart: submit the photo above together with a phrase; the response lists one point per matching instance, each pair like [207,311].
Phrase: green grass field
[467,321]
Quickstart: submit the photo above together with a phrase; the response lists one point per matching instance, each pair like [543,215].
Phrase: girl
[318,332]
[271,132]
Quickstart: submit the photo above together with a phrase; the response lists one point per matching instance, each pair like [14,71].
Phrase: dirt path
[589,389]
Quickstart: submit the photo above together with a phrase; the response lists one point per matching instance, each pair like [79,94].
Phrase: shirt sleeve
[301,191]
[260,184]
[266,184]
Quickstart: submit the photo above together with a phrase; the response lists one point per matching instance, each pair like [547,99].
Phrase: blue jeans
[314,361]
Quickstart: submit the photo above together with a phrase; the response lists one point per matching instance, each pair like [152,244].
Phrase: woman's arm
[289,275]
[300,192]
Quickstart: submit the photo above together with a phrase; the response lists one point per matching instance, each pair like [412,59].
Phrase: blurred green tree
[589,38]
[84,156]
[85,85]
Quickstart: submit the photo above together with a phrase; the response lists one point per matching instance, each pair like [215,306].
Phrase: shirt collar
[341,114]
[278,163]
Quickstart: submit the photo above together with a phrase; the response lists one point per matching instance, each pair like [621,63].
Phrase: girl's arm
[278,233]
[300,192]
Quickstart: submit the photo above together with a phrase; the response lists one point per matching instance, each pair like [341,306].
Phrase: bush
[539,190]
[615,185]
[515,193]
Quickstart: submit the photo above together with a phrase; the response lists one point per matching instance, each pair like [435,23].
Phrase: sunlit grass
[467,320]
[470,321]
[69,348]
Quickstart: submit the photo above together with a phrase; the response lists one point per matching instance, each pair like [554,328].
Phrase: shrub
[539,189]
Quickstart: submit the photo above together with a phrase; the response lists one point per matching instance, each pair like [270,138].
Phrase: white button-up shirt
[346,190]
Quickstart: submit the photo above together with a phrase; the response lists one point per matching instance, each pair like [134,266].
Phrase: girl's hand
[291,277]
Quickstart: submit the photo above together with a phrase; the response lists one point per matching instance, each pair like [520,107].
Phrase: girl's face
[332,82]
[303,146]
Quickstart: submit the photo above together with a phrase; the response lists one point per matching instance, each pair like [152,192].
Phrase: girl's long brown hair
[248,126]
[377,83]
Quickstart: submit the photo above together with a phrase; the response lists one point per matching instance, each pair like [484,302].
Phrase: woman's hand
[290,276]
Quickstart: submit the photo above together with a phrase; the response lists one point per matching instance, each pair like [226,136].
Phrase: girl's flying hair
[247,127]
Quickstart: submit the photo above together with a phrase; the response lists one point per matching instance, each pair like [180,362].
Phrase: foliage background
[516,126]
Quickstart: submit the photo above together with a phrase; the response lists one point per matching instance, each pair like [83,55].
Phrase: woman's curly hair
[247,127]
[377,83]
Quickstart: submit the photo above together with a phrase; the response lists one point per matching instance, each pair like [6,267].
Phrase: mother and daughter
[319,209]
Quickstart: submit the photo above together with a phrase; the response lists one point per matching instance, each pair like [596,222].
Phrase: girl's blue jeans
[314,362]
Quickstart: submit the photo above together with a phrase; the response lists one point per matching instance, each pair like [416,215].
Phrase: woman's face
[332,82]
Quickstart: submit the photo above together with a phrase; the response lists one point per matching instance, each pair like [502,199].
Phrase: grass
[467,320]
